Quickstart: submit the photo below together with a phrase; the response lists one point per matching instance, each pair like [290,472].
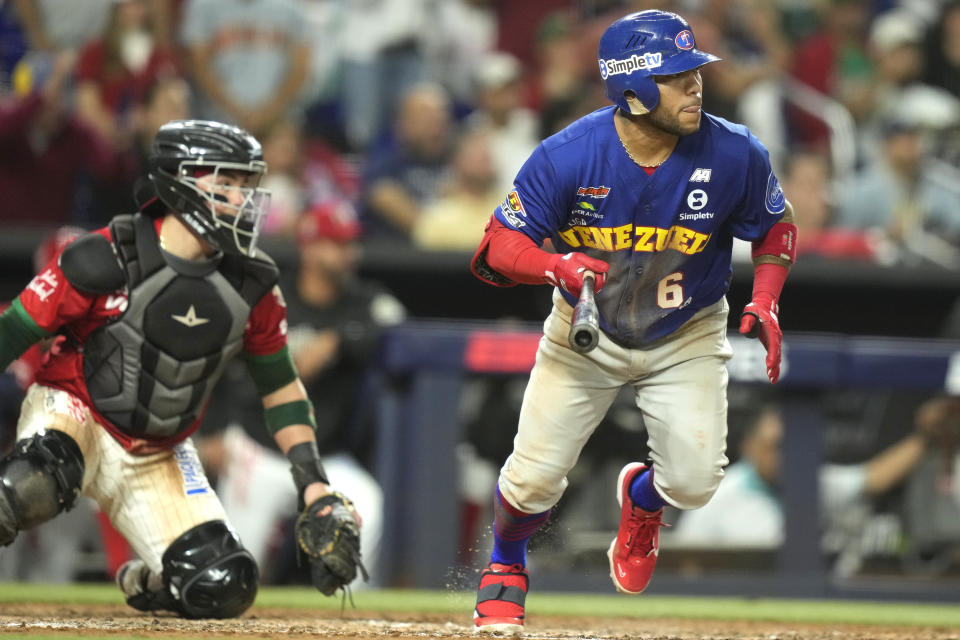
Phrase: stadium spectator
[302,170]
[464,35]
[912,211]
[835,62]
[115,69]
[511,126]
[45,149]
[807,179]
[405,176]
[564,87]
[382,45]
[249,60]
[57,25]
[456,219]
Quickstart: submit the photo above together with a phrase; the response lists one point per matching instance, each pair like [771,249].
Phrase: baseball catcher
[151,308]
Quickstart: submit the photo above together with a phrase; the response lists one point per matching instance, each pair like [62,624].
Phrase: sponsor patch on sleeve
[513,206]
[774,200]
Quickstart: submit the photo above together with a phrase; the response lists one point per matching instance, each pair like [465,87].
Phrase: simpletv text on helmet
[633,63]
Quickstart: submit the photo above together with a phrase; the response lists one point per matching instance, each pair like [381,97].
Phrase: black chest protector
[151,371]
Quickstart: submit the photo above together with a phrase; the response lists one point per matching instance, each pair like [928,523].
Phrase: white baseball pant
[680,385]
[152,499]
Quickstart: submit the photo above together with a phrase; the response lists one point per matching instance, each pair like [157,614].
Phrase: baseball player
[647,195]
[152,308]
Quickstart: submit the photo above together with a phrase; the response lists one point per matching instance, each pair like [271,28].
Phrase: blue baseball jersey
[667,236]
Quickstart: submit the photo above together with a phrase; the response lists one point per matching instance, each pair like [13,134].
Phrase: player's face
[681,96]
[228,188]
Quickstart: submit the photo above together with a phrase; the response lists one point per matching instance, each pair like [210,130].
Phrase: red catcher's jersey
[55,305]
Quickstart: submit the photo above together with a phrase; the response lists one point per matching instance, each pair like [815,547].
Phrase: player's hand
[566,272]
[759,320]
[329,534]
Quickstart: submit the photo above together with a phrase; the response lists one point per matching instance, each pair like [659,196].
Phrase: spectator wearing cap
[911,212]
[895,48]
[512,128]
[335,321]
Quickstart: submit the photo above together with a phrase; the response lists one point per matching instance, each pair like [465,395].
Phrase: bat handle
[585,323]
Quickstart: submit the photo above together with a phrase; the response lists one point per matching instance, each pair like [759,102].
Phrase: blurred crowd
[418,113]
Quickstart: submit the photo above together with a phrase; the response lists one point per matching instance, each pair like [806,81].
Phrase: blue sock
[644,494]
[512,530]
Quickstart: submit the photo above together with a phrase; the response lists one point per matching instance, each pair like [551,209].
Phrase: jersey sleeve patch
[512,209]
[775,201]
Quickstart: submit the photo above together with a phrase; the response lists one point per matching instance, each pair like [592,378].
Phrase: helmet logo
[684,40]
[614,67]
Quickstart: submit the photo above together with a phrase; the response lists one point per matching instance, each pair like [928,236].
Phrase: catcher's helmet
[645,44]
[183,152]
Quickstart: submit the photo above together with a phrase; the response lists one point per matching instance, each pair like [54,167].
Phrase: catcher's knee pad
[38,480]
[209,573]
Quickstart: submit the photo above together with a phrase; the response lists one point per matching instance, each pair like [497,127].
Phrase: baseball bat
[585,323]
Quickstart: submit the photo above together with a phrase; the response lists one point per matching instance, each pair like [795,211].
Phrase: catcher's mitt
[329,535]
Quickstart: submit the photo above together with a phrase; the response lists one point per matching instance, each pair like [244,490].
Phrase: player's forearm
[890,467]
[18,332]
[516,256]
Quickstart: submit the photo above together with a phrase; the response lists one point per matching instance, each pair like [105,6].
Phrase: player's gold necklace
[637,162]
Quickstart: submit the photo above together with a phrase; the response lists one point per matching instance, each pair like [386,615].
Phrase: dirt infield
[94,621]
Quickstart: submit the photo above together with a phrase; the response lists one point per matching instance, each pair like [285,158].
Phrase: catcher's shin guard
[38,480]
[206,574]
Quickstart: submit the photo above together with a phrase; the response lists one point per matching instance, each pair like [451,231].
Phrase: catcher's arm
[328,529]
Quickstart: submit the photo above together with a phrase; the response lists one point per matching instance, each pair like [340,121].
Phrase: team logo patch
[697,199]
[513,201]
[614,67]
[775,201]
[593,192]
[684,40]
[587,206]
[701,175]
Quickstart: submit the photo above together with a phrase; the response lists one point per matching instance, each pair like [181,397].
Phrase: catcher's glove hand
[328,533]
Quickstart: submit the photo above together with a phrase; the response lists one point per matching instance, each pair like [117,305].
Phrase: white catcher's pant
[681,389]
[151,500]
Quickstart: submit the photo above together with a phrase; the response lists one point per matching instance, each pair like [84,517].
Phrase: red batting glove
[759,320]
[566,272]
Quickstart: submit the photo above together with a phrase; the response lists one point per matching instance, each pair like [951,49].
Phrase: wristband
[305,466]
[288,413]
[780,241]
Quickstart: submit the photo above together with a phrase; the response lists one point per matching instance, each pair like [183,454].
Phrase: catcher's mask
[209,174]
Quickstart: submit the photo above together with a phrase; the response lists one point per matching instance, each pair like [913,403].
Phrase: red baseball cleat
[500,598]
[633,553]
